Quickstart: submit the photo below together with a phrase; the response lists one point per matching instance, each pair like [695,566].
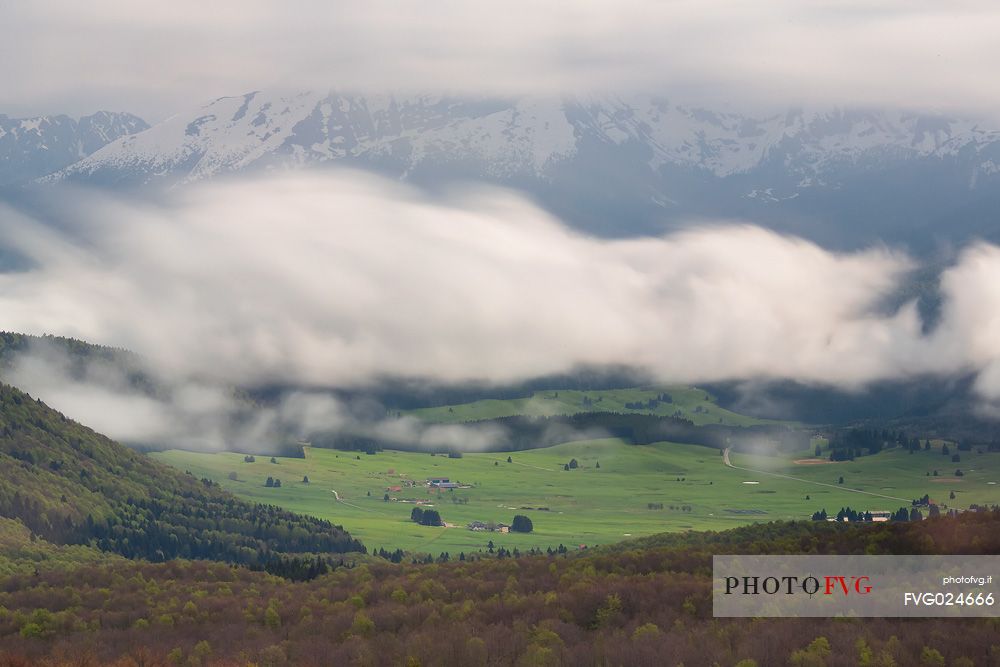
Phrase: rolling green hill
[680,401]
[638,489]
[70,485]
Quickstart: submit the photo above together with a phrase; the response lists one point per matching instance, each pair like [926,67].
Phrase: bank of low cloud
[139,406]
[338,279]
[320,280]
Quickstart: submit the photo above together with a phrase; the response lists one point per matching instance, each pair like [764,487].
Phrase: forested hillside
[23,551]
[70,485]
[78,351]
[641,603]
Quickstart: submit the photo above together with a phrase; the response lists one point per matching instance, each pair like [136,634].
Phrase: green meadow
[588,505]
[690,403]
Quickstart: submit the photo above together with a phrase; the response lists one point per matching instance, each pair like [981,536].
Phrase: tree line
[70,485]
[638,603]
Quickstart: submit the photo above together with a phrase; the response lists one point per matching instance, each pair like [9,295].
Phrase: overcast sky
[158,58]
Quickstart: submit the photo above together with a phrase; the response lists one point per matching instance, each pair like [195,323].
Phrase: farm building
[441,483]
[878,516]
[488,526]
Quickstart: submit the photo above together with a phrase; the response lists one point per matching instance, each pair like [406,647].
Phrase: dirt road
[839,487]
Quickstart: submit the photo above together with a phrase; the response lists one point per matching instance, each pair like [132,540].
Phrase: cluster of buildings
[442,483]
[480,526]
[434,483]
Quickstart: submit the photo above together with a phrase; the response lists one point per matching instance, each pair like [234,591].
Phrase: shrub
[202,649]
[362,625]
[521,524]
[431,518]
[648,630]
[272,618]
[931,657]
[32,631]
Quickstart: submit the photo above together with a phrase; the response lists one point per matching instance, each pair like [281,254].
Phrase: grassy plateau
[588,505]
[691,403]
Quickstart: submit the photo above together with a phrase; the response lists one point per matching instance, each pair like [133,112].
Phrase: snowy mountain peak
[33,147]
[506,138]
[610,164]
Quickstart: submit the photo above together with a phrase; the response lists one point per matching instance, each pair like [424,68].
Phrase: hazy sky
[157,58]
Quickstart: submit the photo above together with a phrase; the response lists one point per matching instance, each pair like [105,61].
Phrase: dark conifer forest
[70,485]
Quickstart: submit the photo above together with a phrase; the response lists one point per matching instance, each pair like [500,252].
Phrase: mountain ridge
[234,132]
[612,166]
[35,146]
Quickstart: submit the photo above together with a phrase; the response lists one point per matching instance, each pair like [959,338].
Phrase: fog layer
[319,280]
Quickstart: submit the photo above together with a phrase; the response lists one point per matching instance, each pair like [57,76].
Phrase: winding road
[358,507]
[839,487]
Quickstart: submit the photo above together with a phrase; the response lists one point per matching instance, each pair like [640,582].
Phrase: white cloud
[62,55]
[190,414]
[339,280]
[970,328]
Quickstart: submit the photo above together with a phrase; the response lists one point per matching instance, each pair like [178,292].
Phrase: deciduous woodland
[646,602]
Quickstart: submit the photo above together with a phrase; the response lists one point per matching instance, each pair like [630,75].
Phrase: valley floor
[636,491]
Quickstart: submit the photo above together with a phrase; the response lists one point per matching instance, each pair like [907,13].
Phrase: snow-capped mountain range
[611,164]
[510,137]
[34,147]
